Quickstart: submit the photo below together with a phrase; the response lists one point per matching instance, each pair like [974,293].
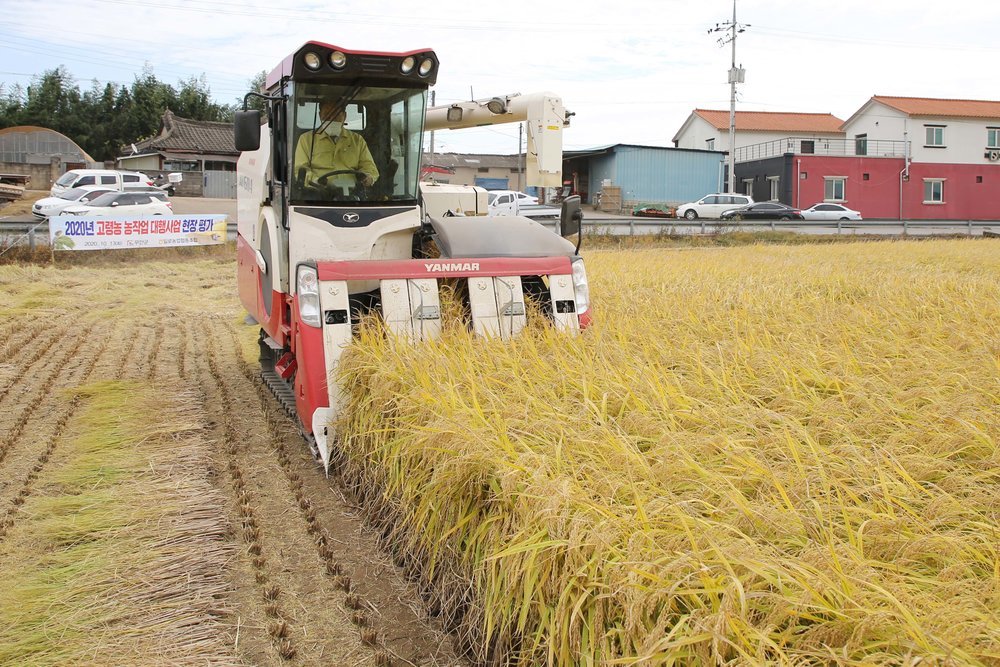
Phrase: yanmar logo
[438,267]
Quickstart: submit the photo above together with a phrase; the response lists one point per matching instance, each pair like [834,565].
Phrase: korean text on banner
[111,233]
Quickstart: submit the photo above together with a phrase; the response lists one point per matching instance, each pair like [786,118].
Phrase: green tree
[11,103]
[52,100]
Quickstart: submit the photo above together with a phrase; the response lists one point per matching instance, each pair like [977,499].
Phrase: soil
[23,205]
[310,584]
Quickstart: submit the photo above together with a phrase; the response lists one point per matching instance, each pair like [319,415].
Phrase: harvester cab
[333,220]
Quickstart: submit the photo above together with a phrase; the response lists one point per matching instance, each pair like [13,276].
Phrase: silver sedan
[830,211]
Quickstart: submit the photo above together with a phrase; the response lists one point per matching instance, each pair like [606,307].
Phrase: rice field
[758,455]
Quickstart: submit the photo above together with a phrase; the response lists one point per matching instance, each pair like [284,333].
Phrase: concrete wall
[42,175]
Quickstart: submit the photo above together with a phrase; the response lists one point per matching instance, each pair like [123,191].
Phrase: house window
[979,179]
[774,182]
[935,136]
[865,176]
[748,186]
[219,165]
[483,170]
[808,146]
[710,144]
[834,188]
[861,144]
[933,190]
[180,165]
[993,137]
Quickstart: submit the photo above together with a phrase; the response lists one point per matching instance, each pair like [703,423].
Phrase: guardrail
[34,233]
[640,226]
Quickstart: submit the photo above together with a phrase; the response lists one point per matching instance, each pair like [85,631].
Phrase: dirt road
[307,583]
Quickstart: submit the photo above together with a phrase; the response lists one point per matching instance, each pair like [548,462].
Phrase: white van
[713,206]
[106,178]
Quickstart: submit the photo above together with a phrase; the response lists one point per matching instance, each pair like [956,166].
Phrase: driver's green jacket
[320,154]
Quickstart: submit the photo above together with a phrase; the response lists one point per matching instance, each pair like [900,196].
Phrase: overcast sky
[632,70]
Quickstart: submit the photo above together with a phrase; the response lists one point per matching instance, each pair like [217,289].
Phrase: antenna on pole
[736,75]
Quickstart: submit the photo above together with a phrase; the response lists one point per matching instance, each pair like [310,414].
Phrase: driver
[332,147]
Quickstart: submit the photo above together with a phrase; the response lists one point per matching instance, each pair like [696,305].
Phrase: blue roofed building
[644,174]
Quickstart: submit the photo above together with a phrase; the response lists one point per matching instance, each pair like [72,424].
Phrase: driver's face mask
[333,128]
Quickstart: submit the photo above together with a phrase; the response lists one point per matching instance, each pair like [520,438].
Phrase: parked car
[712,206]
[50,206]
[136,204]
[520,197]
[511,202]
[111,179]
[828,211]
[768,210]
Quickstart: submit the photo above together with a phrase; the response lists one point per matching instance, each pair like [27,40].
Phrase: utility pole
[736,75]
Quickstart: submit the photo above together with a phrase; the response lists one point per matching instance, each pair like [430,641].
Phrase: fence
[820,146]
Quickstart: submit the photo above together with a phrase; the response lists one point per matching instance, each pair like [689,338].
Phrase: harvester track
[285,396]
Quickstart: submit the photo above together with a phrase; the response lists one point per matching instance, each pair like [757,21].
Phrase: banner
[112,233]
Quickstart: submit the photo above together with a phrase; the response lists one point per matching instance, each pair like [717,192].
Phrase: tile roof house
[895,158]
[180,138]
[708,129]
[938,130]
[202,150]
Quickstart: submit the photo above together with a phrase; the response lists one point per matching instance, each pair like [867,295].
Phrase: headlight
[307,288]
[409,62]
[581,287]
[311,61]
[426,65]
[338,60]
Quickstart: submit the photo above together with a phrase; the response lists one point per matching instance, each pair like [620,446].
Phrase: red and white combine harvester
[316,251]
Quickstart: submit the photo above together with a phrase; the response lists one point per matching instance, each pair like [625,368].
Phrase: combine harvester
[314,254]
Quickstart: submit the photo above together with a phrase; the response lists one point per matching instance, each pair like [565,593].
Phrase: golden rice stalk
[757,455]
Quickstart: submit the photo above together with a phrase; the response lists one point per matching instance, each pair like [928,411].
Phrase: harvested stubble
[757,455]
[120,555]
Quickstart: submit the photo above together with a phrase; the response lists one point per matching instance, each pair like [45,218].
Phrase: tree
[194,101]
[255,85]
[52,100]
[11,103]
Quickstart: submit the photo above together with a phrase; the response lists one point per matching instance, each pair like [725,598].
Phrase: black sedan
[769,210]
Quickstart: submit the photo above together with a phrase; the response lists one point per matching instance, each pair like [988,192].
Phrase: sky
[632,71]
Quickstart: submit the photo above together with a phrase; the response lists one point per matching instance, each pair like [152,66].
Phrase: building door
[219,184]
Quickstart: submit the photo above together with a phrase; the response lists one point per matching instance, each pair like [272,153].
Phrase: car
[712,206]
[112,179]
[830,211]
[767,210]
[136,204]
[521,197]
[50,206]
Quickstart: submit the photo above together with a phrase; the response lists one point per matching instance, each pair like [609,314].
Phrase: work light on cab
[426,65]
[409,62]
[338,60]
[311,60]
